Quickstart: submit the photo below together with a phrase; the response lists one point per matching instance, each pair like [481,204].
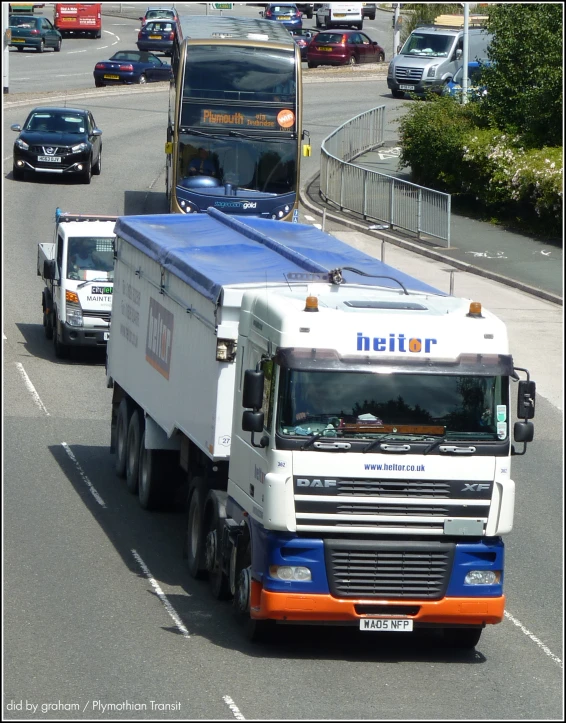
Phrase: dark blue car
[131,66]
[157,36]
[285,13]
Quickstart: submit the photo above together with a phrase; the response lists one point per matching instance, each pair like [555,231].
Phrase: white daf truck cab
[78,271]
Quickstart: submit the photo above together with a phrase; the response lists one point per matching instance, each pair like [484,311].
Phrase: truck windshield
[428,45]
[89,258]
[412,406]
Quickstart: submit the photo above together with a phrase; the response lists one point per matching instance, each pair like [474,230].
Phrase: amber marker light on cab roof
[475,309]
[311,303]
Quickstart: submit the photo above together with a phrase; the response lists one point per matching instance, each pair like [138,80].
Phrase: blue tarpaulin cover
[212,250]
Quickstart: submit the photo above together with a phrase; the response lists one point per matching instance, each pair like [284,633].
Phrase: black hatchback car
[58,141]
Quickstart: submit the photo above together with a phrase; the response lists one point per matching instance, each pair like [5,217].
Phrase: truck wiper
[94,281]
[312,440]
[375,442]
[255,137]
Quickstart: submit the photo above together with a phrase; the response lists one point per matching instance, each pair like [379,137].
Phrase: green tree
[525,79]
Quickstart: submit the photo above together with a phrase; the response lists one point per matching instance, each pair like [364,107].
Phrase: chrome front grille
[412,74]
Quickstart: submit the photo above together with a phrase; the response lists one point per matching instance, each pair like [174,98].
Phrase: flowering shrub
[447,150]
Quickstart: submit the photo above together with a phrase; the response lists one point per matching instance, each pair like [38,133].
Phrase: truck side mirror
[252,397]
[252,421]
[49,269]
[523,432]
[526,400]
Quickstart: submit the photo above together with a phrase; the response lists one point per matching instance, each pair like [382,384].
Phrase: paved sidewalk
[476,246]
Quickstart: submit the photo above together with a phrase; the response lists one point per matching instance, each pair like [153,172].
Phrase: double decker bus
[234,128]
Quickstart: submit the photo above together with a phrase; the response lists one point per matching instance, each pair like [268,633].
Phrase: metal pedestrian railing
[377,196]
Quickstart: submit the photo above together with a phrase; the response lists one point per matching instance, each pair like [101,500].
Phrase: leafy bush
[447,150]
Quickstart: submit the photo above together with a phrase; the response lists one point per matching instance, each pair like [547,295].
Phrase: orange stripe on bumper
[461,611]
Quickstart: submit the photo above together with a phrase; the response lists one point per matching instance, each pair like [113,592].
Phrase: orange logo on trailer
[159,337]
[286,118]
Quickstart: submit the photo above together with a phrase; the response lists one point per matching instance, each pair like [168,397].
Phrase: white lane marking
[74,52]
[233,707]
[534,638]
[31,389]
[318,225]
[161,595]
[85,479]
[309,218]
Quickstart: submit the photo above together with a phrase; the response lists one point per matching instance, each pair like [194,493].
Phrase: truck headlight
[288,572]
[483,577]
[390,70]
[74,316]
[432,71]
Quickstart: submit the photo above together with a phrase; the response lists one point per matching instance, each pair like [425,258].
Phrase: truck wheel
[61,350]
[122,421]
[195,535]
[255,630]
[398,93]
[47,325]
[133,451]
[466,638]
[218,581]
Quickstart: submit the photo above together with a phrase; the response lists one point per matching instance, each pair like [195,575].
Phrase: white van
[430,58]
[340,15]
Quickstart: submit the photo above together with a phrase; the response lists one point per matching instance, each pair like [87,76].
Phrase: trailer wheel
[195,535]
[133,451]
[218,581]
[122,421]
[466,638]
[155,477]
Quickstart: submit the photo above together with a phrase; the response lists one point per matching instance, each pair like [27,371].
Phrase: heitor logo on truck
[159,337]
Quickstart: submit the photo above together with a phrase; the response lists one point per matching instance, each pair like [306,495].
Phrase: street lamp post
[465,54]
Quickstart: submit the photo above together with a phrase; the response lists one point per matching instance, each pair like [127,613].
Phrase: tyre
[122,421]
[381,58]
[156,477]
[98,34]
[397,93]
[352,60]
[466,638]
[18,173]
[87,173]
[21,50]
[255,630]
[41,47]
[195,535]
[218,581]
[312,65]
[97,168]
[61,350]
[142,80]
[47,324]
[372,17]
[133,451]
[57,48]
[318,23]
[99,84]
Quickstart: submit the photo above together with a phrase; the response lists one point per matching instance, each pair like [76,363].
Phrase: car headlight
[79,147]
[22,144]
[432,71]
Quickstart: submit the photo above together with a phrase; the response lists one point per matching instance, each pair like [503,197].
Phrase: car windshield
[90,258]
[135,57]
[363,405]
[56,122]
[428,44]
[160,14]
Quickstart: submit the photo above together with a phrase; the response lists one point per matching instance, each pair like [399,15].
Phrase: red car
[343,47]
